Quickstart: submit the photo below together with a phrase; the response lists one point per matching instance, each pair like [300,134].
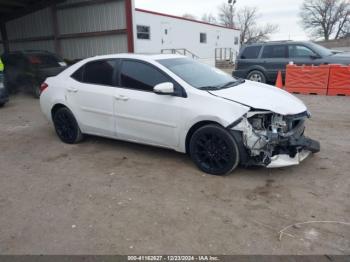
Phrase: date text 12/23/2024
[173,258]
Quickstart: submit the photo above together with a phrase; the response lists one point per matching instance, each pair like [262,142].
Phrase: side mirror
[166,88]
[313,57]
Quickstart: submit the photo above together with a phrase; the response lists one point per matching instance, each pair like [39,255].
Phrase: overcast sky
[285,13]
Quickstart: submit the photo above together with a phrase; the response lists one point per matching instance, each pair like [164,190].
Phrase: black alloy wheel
[66,126]
[214,150]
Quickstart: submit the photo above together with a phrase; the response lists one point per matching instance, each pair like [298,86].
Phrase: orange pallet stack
[307,80]
[339,81]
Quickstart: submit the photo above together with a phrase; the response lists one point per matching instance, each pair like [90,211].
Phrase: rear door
[247,59]
[90,94]
[275,58]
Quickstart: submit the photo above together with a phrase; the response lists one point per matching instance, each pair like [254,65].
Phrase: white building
[76,29]
[162,33]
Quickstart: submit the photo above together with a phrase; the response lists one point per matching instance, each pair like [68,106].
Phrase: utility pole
[231,3]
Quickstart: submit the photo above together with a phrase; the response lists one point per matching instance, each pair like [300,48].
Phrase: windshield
[321,50]
[199,75]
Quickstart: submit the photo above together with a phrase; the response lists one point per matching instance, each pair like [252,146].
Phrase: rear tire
[257,76]
[2,104]
[66,126]
[214,150]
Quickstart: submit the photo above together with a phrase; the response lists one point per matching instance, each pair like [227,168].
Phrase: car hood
[262,96]
[341,58]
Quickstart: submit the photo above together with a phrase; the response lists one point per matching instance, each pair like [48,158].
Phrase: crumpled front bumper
[285,160]
[308,146]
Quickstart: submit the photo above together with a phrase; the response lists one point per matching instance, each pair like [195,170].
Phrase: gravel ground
[111,197]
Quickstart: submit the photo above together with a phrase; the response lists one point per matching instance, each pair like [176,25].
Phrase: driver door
[302,55]
[142,115]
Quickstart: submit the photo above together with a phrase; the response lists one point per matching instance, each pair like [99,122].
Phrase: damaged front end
[274,140]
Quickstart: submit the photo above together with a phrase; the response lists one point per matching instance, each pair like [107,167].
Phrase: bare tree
[209,18]
[189,16]
[250,31]
[326,18]
[226,15]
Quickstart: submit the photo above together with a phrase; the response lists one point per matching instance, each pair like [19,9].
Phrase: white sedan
[175,102]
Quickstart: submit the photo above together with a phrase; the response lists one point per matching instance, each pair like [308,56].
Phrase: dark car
[4,98]
[261,62]
[29,69]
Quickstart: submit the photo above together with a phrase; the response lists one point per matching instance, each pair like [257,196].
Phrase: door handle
[121,98]
[72,90]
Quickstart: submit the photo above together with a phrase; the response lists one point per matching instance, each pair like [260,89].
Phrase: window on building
[140,76]
[143,32]
[97,72]
[251,52]
[236,40]
[203,38]
[275,51]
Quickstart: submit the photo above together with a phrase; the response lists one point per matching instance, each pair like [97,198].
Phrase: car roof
[145,57]
[30,52]
[281,42]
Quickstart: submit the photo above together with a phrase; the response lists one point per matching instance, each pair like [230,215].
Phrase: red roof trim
[129,26]
[182,18]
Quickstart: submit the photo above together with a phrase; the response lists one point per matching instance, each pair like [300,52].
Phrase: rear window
[275,51]
[251,52]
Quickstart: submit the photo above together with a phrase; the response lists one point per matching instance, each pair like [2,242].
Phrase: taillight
[43,86]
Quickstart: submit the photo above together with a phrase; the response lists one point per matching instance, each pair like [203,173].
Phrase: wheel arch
[194,128]
[257,68]
[56,107]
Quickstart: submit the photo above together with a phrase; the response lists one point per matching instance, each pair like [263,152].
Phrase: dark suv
[261,62]
[28,69]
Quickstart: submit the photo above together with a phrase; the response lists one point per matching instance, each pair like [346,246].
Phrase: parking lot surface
[110,197]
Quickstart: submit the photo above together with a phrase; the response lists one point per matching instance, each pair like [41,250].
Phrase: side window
[203,38]
[143,32]
[299,51]
[275,51]
[251,52]
[140,76]
[78,75]
[99,72]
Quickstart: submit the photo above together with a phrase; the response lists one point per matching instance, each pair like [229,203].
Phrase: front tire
[66,126]
[214,150]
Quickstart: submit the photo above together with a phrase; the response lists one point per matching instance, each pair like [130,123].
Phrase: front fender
[227,113]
